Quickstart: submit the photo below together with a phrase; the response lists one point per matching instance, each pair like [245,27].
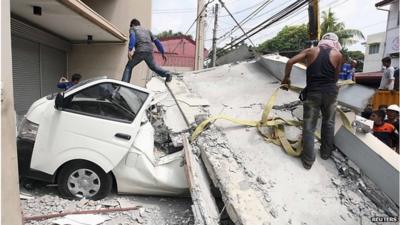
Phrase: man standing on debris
[323,66]
[141,48]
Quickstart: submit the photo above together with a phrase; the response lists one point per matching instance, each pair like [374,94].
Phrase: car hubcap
[83,183]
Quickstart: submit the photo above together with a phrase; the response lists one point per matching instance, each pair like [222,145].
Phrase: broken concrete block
[274,213]
[261,180]
[380,163]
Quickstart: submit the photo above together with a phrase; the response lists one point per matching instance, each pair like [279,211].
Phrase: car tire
[83,179]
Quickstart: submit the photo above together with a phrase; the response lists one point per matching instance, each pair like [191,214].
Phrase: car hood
[35,112]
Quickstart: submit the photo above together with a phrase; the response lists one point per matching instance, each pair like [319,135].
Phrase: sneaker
[168,78]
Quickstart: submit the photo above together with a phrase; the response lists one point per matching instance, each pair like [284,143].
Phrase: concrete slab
[288,193]
[203,201]
[354,96]
[380,163]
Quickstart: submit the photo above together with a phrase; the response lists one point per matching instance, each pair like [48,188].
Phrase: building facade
[55,38]
[180,52]
[392,41]
[374,50]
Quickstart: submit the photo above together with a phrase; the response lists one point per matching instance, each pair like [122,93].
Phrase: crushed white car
[98,134]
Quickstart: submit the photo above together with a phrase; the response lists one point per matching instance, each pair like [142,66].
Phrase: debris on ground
[88,219]
[153,210]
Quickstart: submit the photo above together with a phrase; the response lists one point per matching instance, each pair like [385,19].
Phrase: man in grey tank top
[323,66]
[141,48]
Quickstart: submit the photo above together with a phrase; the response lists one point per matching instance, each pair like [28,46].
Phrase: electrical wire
[268,22]
[227,10]
[198,16]
[242,10]
[245,20]
[332,4]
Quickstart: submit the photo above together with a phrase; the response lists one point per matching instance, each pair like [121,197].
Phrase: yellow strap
[276,125]
[203,124]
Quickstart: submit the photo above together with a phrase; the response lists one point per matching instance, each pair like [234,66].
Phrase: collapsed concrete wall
[354,96]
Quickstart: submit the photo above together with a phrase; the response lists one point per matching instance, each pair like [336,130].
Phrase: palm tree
[331,24]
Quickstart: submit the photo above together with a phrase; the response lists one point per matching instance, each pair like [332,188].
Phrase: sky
[178,15]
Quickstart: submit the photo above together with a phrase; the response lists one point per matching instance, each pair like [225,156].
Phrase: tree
[288,42]
[170,33]
[355,55]
[331,24]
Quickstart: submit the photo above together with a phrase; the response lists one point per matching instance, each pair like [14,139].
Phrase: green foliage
[331,24]
[355,55]
[170,33]
[289,41]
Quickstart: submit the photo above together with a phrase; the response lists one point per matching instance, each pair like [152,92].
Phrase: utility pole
[214,43]
[313,22]
[10,204]
[199,54]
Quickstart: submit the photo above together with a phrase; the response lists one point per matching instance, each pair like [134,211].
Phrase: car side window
[107,101]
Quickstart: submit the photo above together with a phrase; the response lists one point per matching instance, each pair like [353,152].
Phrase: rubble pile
[152,211]
[360,195]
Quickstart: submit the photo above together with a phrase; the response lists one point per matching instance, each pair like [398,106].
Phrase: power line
[225,36]
[198,16]
[245,33]
[331,4]
[246,19]
[268,22]
[243,10]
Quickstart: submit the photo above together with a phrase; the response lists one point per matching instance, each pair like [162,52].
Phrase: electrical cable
[245,20]
[244,32]
[268,22]
[198,16]
[242,10]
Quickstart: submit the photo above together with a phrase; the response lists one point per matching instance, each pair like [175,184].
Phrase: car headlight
[28,130]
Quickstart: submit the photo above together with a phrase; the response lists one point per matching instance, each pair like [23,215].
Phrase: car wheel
[83,179]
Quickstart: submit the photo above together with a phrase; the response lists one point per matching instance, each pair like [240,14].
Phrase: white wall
[110,59]
[392,33]
[372,62]
[10,204]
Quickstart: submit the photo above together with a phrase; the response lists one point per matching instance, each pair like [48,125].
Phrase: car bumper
[24,152]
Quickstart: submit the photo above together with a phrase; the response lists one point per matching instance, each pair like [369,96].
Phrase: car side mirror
[59,101]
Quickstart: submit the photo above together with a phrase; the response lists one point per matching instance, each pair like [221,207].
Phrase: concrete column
[10,204]
[199,55]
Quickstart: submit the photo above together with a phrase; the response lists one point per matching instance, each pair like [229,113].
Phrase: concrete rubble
[153,211]
[260,183]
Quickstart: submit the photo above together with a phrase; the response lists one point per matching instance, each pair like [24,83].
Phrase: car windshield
[83,83]
[128,99]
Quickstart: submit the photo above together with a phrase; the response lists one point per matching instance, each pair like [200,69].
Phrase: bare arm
[336,60]
[289,65]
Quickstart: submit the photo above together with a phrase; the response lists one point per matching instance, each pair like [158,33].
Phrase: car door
[98,124]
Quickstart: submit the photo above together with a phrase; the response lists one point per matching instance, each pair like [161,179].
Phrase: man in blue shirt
[65,84]
[141,48]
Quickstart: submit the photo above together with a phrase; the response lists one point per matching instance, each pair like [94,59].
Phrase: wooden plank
[205,209]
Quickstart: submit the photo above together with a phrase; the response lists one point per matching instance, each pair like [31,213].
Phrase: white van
[93,136]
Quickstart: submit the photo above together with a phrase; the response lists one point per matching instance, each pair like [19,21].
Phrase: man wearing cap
[323,66]
[392,114]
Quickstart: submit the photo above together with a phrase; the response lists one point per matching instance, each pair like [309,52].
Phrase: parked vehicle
[94,135]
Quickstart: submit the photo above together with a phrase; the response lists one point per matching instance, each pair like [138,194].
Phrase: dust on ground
[154,210]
